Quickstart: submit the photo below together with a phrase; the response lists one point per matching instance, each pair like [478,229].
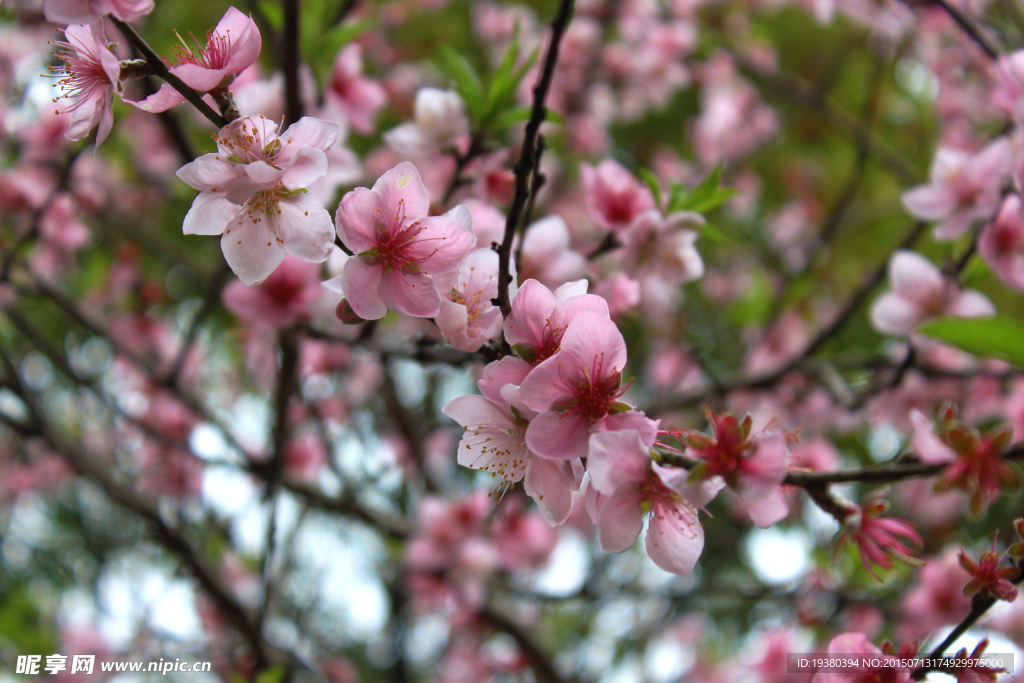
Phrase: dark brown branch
[543,668]
[161,69]
[971,28]
[524,167]
[290,61]
[906,467]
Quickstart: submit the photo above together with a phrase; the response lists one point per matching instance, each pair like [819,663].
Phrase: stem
[290,61]
[161,69]
[524,167]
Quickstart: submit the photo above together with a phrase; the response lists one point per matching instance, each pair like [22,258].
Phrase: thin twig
[161,69]
[524,167]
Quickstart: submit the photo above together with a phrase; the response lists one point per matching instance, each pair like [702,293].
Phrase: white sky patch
[884,442]
[566,569]
[777,556]
[666,660]
[207,442]
[227,491]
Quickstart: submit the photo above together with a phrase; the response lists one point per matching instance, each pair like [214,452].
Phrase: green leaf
[341,35]
[652,181]
[713,234]
[271,9]
[619,407]
[516,115]
[525,352]
[274,674]
[996,337]
[707,195]
[467,82]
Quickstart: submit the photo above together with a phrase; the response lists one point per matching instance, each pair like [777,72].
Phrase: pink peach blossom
[615,197]
[397,246]
[86,11]
[468,318]
[577,391]
[230,49]
[495,442]
[252,191]
[752,465]
[280,300]
[920,292]
[627,482]
[547,253]
[964,187]
[1001,243]
[348,88]
[91,74]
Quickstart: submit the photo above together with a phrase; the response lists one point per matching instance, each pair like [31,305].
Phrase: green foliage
[22,626]
[999,337]
[491,105]
[707,195]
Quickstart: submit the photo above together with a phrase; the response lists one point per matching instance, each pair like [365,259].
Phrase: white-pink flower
[359,97]
[90,73]
[663,246]
[548,255]
[920,292]
[577,391]
[964,188]
[1001,244]
[230,48]
[468,318]
[87,11]
[628,482]
[495,442]
[253,193]
[398,246]
[439,121]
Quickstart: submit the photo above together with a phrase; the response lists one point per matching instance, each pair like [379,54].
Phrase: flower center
[395,240]
[248,140]
[214,56]
[593,392]
[83,75]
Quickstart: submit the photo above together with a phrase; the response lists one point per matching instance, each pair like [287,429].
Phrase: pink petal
[208,172]
[199,78]
[361,281]
[929,447]
[530,310]
[252,251]
[308,132]
[211,214]
[929,202]
[768,509]
[617,460]
[308,165]
[545,483]
[619,521]
[410,293]
[442,243]
[551,435]
[675,538]
[892,314]
[509,370]
[305,228]
[971,303]
[402,193]
[357,219]
[162,100]
[246,41]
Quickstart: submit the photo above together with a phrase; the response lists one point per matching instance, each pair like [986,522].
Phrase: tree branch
[524,167]
[161,69]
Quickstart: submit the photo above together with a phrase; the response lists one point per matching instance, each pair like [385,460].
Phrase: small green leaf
[467,82]
[273,13]
[996,337]
[706,196]
[274,674]
[652,181]
[713,234]
[343,34]
[619,407]
[698,474]
[525,352]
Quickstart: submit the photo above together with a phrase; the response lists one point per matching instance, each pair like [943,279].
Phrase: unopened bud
[346,314]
